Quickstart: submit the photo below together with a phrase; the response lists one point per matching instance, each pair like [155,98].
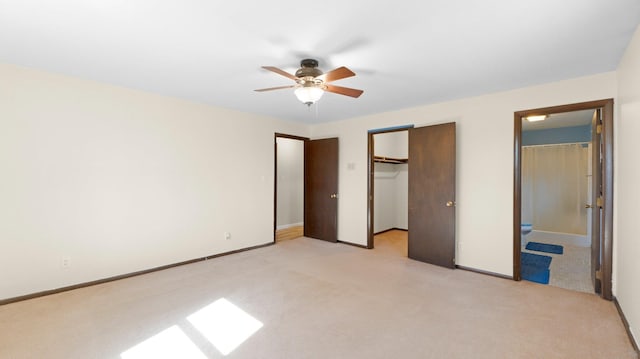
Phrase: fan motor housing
[308,67]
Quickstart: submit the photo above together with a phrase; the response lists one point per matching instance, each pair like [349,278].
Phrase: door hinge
[599,274]
[599,202]
[598,129]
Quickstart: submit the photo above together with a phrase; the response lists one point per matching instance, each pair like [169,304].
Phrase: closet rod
[383,159]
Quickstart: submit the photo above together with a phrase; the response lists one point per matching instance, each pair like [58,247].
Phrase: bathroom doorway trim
[606,238]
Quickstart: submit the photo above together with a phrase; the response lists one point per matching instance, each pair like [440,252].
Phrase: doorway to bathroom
[562,196]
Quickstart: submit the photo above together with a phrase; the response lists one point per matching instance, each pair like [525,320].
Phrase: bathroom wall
[557,135]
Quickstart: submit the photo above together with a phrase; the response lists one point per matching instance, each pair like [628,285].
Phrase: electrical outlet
[227,235]
[65,262]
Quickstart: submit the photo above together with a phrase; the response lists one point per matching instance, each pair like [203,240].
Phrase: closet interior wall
[391,181]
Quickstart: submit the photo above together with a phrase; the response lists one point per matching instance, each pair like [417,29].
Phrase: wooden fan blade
[275,88]
[344,91]
[337,74]
[280,72]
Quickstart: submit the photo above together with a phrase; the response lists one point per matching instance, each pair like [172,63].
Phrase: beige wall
[627,180]
[119,180]
[484,163]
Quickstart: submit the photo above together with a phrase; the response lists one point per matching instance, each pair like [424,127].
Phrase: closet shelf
[382,159]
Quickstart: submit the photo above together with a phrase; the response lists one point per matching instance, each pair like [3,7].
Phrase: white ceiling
[405,53]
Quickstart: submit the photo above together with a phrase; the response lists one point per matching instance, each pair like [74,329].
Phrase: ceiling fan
[311,82]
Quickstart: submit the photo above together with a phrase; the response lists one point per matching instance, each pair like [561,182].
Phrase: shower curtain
[554,187]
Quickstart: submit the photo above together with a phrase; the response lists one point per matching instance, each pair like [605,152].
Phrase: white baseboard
[285,226]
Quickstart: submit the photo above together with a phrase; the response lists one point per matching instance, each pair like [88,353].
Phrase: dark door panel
[432,167]
[321,189]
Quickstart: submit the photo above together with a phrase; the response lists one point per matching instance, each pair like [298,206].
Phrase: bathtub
[525,228]
[568,239]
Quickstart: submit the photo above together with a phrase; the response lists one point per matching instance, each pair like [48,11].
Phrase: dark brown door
[321,189]
[596,196]
[432,174]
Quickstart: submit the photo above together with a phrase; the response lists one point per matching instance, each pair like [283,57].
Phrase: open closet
[422,191]
[391,181]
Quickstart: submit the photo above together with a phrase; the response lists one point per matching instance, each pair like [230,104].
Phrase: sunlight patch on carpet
[224,324]
[170,343]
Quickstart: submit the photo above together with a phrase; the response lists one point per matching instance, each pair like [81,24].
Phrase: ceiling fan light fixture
[311,82]
[309,95]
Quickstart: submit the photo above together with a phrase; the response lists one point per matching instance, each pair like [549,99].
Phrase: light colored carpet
[316,299]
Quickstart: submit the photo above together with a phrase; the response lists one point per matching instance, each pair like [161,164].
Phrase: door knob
[333,195]
[588,206]
[450,203]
